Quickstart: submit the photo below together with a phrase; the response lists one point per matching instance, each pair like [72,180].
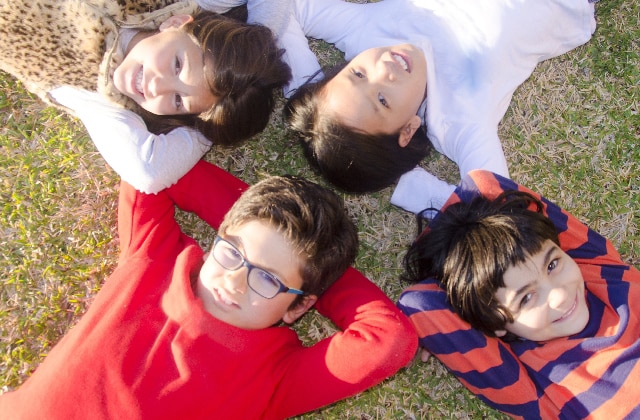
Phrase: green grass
[572,133]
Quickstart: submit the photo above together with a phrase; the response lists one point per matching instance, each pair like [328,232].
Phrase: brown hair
[243,68]
[313,220]
[470,245]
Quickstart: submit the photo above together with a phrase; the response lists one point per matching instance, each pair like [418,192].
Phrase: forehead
[516,277]
[527,272]
[351,103]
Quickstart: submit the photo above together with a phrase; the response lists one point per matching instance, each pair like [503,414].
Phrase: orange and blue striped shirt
[593,374]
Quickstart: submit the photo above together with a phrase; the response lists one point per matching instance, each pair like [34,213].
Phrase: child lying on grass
[528,307]
[177,333]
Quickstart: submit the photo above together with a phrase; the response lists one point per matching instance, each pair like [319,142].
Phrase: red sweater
[146,348]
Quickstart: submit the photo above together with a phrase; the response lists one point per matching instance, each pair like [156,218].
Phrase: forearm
[375,340]
[485,365]
[207,191]
[145,160]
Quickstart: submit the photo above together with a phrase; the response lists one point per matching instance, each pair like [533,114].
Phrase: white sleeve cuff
[418,190]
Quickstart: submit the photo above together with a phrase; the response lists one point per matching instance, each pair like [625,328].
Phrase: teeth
[139,82]
[224,298]
[401,61]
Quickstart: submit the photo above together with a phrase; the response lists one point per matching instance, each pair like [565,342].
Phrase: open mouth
[137,83]
[223,298]
[402,61]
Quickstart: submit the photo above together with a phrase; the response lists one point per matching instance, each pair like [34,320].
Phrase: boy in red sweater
[175,333]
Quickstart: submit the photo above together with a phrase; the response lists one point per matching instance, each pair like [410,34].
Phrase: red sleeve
[146,224]
[375,341]
[208,191]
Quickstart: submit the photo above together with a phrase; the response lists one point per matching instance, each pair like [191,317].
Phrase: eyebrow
[545,261]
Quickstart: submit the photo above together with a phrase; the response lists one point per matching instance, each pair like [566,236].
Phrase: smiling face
[380,90]
[164,72]
[227,296]
[545,295]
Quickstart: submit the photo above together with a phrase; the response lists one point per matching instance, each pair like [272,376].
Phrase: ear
[408,130]
[500,333]
[175,21]
[293,314]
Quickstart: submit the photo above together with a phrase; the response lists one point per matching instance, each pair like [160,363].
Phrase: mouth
[403,61]
[137,82]
[569,312]
[223,299]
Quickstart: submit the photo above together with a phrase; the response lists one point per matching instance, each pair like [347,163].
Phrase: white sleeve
[470,146]
[475,146]
[280,16]
[331,20]
[219,6]
[145,160]
[418,190]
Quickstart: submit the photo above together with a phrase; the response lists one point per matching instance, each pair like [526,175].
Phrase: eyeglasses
[260,281]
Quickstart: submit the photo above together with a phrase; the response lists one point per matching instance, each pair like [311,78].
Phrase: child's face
[380,90]
[163,73]
[545,295]
[226,294]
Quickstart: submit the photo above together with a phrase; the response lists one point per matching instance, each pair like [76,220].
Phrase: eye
[526,299]
[357,73]
[267,278]
[178,102]
[552,265]
[263,282]
[382,100]
[229,253]
[177,65]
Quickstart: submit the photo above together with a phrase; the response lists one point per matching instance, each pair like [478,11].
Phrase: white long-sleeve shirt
[477,51]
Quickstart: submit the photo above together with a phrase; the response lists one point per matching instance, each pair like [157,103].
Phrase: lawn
[572,133]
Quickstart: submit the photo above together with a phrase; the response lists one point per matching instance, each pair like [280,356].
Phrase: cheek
[532,320]
[210,272]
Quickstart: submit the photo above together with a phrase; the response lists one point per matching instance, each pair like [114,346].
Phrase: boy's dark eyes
[178,69]
[178,101]
[357,73]
[383,101]
[231,252]
[526,299]
[552,265]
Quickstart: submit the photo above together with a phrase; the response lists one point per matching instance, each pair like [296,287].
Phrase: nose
[236,280]
[557,298]
[384,72]
[158,86]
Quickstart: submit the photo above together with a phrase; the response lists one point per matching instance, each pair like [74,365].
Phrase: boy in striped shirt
[527,306]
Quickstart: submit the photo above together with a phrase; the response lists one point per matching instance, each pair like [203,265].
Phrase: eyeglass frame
[246,263]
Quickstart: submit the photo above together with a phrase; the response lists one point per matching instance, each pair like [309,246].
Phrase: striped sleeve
[485,365]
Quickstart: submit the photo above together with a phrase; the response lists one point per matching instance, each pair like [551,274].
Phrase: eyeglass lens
[260,281]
